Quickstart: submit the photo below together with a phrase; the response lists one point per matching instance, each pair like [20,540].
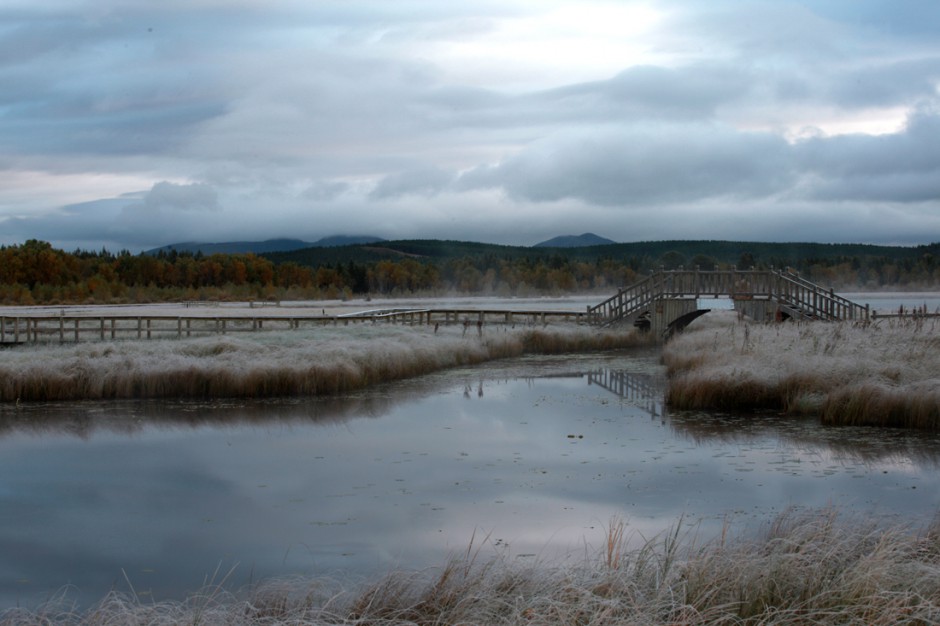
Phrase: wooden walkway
[73,328]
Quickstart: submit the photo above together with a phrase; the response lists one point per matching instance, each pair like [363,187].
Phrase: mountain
[575,241]
[264,247]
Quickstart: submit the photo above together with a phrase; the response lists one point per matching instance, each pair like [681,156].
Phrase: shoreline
[801,566]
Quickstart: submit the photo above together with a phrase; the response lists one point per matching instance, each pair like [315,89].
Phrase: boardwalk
[65,327]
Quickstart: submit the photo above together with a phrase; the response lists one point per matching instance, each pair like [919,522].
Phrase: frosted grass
[885,373]
[807,567]
[311,362]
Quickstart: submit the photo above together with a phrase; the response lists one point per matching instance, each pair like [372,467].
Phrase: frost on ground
[882,373]
[313,362]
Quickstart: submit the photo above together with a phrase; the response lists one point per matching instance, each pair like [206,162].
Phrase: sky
[130,124]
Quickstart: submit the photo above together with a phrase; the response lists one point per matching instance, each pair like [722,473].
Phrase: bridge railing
[814,301]
[803,297]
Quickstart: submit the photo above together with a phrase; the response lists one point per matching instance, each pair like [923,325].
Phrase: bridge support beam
[759,310]
[665,311]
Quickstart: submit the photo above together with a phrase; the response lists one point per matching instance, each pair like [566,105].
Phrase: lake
[530,458]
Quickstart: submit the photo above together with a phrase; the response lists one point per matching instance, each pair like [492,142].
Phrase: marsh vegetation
[314,362]
[884,373]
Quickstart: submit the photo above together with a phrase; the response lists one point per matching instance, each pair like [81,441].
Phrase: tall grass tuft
[316,362]
[883,374]
[803,567]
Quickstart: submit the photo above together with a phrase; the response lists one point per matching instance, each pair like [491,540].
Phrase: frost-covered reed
[802,568]
[885,373]
[315,362]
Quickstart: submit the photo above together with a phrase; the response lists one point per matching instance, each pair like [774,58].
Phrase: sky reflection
[531,458]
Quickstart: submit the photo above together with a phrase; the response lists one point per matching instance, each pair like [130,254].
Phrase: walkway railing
[798,296]
[73,328]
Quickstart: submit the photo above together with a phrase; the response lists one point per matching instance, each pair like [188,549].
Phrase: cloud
[171,196]
[507,121]
[901,167]
[426,181]
[643,165]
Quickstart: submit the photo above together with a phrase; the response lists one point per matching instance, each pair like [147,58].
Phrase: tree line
[37,273]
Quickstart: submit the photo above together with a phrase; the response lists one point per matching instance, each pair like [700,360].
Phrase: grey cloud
[901,167]
[193,197]
[693,91]
[323,191]
[631,166]
[886,84]
[426,181]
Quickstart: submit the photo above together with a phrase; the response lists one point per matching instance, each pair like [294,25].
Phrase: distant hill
[265,247]
[575,241]
[641,255]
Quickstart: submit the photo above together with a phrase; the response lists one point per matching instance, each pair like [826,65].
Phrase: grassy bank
[316,362]
[802,568]
[885,373]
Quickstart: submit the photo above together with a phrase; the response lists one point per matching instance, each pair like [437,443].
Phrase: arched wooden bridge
[668,300]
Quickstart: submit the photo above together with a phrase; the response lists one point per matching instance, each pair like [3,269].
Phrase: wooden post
[112,328]
[61,329]
[179,327]
[101,327]
[148,327]
[139,328]
[3,329]
[188,322]
[16,330]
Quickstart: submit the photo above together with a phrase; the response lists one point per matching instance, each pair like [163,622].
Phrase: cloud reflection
[529,457]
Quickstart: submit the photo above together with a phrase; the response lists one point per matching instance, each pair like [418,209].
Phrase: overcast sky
[133,124]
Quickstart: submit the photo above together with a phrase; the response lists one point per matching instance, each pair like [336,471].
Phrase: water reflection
[644,391]
[538,454]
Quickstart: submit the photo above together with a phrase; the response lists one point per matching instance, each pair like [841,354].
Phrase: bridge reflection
[641,390]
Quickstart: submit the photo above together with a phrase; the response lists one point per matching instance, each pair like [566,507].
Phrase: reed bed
[315,362]
[803,567]
[881,374]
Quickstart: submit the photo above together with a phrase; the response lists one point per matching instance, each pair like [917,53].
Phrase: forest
[37,273]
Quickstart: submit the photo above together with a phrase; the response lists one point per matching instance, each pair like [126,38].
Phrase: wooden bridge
[668,300]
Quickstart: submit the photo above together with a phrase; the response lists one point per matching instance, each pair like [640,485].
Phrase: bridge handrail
[849,309]
[785,286]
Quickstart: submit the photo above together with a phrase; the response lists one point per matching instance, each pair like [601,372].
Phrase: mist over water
[530,458]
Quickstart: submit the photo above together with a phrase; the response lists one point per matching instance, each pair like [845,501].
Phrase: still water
[531,458]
